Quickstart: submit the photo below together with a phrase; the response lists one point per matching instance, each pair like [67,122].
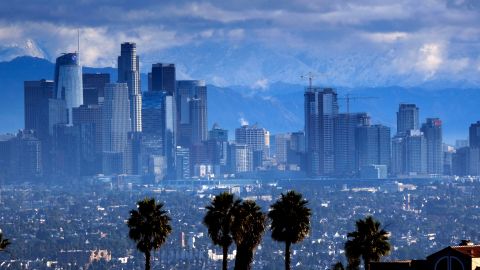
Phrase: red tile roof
[472,251]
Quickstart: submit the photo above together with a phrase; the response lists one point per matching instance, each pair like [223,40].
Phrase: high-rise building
[344,142]
[25,156]
[93,87]
[68,82]
[91,114]
[255,138]
[36,95]
[182,161]
[163,78]
[321,109]
[415,153]
[191,105]
[116,124]
[217,147]
[407,118]
[296,153]
[398,155]
[153,113]
[129,73]
[474,135]
[42,113]
[432,130]
[88,119]
[282,145]
[241,158]
[372,146]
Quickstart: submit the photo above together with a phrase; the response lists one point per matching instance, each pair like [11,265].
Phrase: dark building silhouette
[163,78]
[372,146]
[474,135]
[344,142]
[93,87]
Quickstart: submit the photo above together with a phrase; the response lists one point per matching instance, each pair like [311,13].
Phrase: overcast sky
[426,36]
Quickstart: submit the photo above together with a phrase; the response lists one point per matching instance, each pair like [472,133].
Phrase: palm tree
[219,219]
[4,243]
[149,227]
[369,242]
[290,218]
[248,227]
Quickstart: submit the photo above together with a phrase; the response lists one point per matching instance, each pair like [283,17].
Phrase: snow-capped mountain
[28,48]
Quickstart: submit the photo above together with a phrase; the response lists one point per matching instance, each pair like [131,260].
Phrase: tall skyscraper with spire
[129,73]
[68,82]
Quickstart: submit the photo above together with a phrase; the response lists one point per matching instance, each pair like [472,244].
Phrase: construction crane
[348,98]
[310,76]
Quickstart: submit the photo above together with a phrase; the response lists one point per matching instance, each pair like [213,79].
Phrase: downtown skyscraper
[321,109]
[129,73]
[68,82]
[432,130]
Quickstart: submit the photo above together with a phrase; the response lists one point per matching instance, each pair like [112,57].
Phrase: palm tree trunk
[225,257]
[147,260]
[287,255]
[244,258]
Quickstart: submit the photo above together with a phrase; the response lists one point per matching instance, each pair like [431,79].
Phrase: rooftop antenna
[310,77]
[78,45]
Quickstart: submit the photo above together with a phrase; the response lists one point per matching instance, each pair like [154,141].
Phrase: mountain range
[276,105]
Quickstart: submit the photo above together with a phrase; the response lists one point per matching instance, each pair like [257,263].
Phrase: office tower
[241,158]
[191,105]
[407,118]
[398,155]
[91,114]
[217,147]
[182,161]
[344,142]
[36,94]
[68,82]
[133,154]
[25,156]
[282,145]
[321,109]
[153,113]
[296,157]
[93,87]
[474,135]
[6,157]
[432,130]
[415,153]
[466,161]
[129,73]
[255,138]
[372,146]
[116,126]
[66,150]
[89,120]
[163,78]
[42,113]
[218,134]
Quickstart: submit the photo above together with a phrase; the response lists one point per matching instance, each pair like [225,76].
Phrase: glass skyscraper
[68,82]
[321,109]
